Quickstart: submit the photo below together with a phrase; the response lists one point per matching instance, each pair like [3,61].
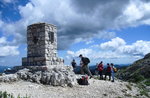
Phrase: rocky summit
[58,76]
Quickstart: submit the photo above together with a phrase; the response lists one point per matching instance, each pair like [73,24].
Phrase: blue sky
[115,31]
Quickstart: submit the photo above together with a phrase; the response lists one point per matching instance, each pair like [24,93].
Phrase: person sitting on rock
[84,67]
[108,72]
[100,69]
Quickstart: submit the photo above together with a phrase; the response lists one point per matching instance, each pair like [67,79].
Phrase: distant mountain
[138,71]
[93,68]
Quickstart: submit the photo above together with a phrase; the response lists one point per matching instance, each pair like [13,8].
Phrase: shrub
[147,82]
[7,95]
[137,78]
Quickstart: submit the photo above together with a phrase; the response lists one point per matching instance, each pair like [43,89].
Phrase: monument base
[41,61]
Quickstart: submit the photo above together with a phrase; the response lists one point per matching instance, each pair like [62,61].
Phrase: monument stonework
[41,46]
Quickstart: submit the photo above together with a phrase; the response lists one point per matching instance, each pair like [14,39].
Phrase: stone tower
[41,45]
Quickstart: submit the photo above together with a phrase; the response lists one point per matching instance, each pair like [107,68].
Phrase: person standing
[112,72]
[84,66]
[100,69]
[73,63]
[108,72]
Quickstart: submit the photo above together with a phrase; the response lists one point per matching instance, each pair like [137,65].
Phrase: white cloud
[135,14]
[138,48]
[113,44]
[7,1]
[89,42]
[84,52]
[6,49]
[9,50]
[79,20]
[133,8]
[3,40]
[116,49]
[119,45]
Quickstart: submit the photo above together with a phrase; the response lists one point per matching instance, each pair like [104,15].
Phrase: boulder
[9,78]
[58,76]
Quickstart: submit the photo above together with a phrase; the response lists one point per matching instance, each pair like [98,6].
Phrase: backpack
[86,60]
[115,69]
[83,80]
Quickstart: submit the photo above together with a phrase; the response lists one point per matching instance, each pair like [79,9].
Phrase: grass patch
[147,82]
[137,78]
[7,95]
[143,90]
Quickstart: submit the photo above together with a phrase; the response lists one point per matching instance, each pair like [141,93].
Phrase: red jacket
[108,69]
[100,67]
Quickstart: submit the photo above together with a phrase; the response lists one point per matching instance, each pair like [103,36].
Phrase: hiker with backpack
[100,69]
[113,71]
[84,66]
[108,72]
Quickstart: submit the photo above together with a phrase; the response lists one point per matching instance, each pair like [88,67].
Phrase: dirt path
[96,89]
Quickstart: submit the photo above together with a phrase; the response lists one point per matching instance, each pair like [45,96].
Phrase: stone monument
[41,46]
[42,64]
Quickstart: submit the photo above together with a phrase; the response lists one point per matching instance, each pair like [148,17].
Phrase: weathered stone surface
[42,64]
[41,43]
[9,78]
[58,76]
[55,76]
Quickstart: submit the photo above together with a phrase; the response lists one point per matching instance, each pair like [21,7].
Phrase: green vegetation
[137,78]
[147,82]
[7,95]
[143,90]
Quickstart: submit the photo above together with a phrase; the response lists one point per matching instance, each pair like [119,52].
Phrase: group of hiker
[109,71]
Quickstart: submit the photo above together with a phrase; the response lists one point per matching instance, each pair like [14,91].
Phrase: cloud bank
[78,19]
[116,49]
[6,49]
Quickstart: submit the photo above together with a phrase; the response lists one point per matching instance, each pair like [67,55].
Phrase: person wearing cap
[84,66]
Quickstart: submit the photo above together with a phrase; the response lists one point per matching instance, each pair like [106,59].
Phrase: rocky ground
[96,89]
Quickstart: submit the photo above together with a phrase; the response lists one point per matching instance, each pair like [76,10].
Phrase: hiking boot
[112,81]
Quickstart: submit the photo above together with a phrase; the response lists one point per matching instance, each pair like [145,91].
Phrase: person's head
[112,64]
[108,64]
[101,62]
[73,60]
[80,56]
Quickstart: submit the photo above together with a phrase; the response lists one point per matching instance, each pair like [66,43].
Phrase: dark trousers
[108,74]
[85,70]
[101,74]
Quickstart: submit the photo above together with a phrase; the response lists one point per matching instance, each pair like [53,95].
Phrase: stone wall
[41,45]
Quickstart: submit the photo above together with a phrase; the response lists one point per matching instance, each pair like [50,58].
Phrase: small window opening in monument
[51,36]
[35,40]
